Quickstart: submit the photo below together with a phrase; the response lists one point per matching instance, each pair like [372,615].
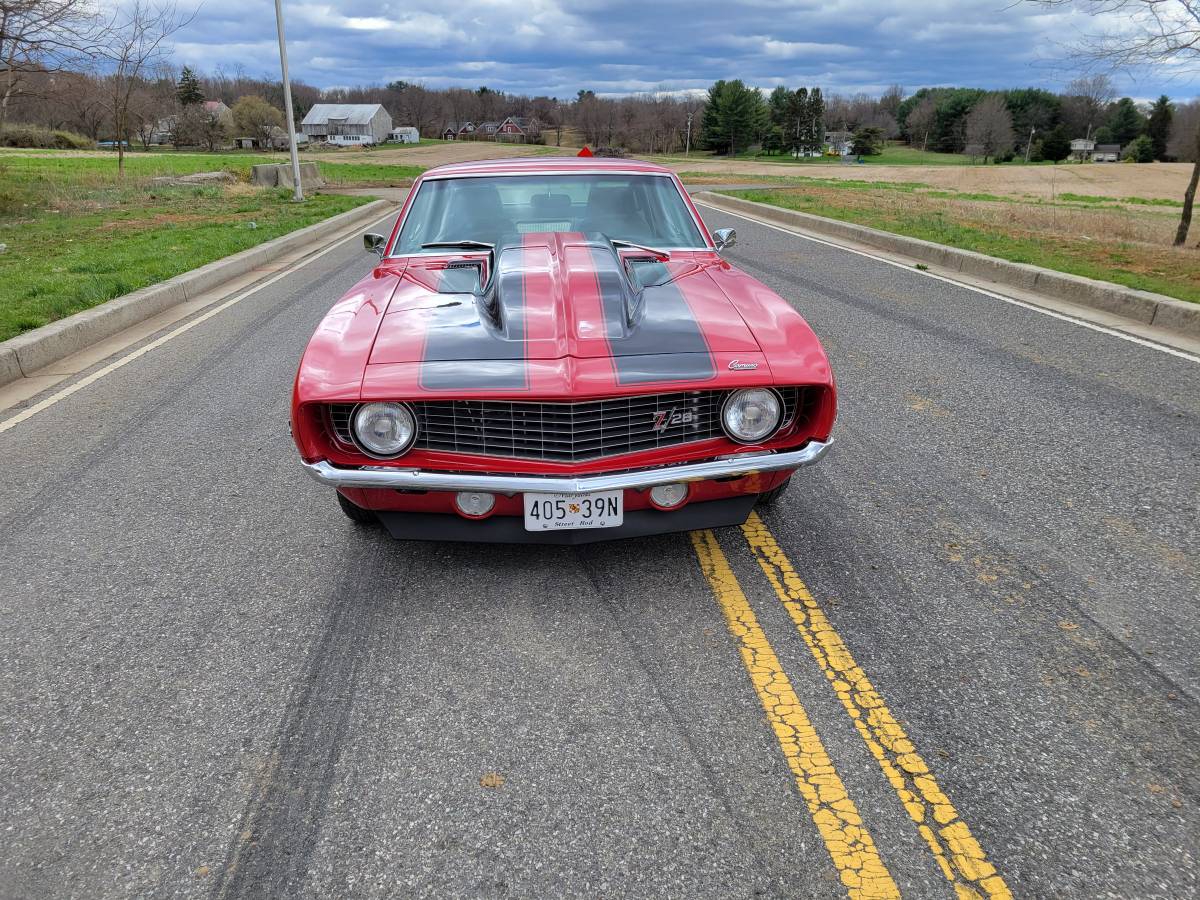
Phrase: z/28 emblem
[669,417]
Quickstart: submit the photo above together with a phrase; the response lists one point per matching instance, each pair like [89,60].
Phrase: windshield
[644,209]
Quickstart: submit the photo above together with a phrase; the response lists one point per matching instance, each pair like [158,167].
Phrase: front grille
[565,432]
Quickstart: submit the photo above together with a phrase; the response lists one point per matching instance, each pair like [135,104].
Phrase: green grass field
[77,236]
[74,169]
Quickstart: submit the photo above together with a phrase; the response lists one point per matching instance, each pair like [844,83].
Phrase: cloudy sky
[557,47]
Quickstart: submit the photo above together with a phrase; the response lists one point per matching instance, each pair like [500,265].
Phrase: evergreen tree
[1140,150]
[187,89]
[1158,128]
[797,120]
[816,120]
[734,117]
[1125,122]
[777,105]
[867,142]
[1056,146]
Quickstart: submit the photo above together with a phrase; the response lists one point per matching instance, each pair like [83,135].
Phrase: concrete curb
[1140,306]
[26,353]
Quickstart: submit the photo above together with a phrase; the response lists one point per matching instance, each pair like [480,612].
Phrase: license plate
[551,512]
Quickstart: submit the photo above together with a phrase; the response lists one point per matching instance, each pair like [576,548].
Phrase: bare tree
[129,44]
[38,36]
[989,126]
[1182,145]
[420,106]
[920,121]
[256,117]
[1097,87]
[1163,33]
[84,102]
[890,100]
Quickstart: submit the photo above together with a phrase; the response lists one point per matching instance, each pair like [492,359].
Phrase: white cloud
[621,46]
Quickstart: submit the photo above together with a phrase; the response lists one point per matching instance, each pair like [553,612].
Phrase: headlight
[384,429]
[751,415]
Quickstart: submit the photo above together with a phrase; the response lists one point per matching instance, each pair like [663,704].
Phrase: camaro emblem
[740,366]
[669,417]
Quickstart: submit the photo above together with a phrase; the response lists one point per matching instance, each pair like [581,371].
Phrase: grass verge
[1128,245]
[76,236]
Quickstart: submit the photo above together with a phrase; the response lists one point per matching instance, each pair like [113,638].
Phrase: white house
[405,134]
[839,142]
[1082,149]
[347,124]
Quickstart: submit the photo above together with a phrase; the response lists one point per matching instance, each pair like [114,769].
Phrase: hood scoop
[557,295]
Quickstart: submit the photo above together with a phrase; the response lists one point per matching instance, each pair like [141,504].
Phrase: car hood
[557,296]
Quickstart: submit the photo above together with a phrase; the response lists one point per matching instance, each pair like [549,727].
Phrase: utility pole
[1028,144]
[687,147]
[298,191]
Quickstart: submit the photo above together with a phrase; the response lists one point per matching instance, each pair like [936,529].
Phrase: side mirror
[724,237]
[375,243]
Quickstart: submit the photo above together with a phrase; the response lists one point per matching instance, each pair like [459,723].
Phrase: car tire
[355,512]
[767,498]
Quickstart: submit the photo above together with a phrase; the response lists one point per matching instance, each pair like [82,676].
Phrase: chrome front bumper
[421,480]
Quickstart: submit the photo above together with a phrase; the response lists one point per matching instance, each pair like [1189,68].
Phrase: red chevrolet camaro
[553,350]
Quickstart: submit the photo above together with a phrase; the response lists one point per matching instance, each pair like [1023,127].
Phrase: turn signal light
[668,496]
[474,504]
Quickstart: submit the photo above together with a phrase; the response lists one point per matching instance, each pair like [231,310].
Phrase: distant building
[839,142]
[1082,149]
[1107,153]
[218,109]
[164,129]
[486,131]
[405,134]
[457,131]
[347,124]
[279,140]
[518,129]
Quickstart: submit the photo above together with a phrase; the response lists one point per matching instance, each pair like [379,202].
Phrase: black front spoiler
[511,529]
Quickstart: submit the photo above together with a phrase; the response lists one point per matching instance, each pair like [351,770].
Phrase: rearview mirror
[375,243]
[724,237]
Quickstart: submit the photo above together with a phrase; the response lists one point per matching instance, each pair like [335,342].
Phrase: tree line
[1037,122]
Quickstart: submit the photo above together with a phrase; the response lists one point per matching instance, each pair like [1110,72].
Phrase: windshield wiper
[458,245]
[661,255]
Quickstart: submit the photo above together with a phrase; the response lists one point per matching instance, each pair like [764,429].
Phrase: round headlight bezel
[361,444]
[774,430]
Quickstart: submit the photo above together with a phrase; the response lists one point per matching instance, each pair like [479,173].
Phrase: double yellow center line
[957,853]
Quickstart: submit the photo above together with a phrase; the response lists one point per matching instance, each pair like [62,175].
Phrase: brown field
[1151,181]
[1154,181]
[430,155]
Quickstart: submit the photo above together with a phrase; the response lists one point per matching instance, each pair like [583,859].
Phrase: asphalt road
[213,685]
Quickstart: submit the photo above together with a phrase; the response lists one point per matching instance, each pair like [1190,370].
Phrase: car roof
[545,164]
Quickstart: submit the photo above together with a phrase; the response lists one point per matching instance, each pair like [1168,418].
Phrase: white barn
[405,134]
[347,124]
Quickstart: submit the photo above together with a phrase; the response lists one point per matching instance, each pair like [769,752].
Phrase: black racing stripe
[666,343]
[464,350]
